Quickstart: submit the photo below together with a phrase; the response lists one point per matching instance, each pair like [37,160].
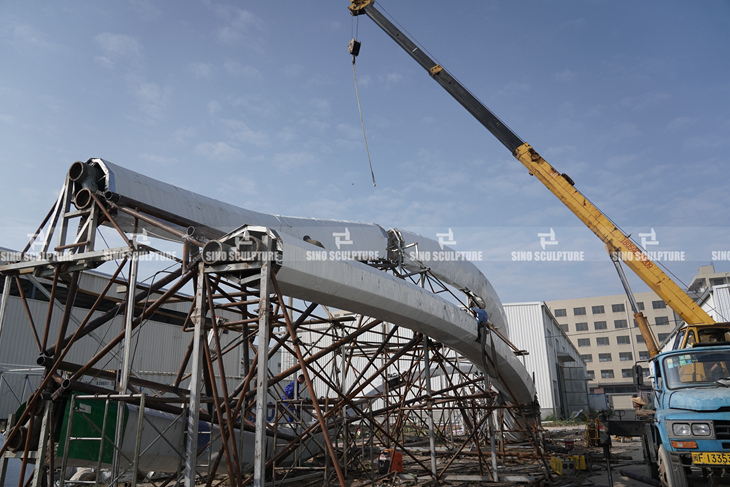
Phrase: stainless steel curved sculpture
[343,283]
[241,266]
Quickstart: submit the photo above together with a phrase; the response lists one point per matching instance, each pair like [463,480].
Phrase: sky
[254,103]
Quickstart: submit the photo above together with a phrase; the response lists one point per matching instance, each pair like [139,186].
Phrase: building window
[561,312]
[618,308]
[604,357]
[588,358]
[598,310]
[584,342]
[658,304]
[599,325]
[639,339]
[602,341]
[625,356]
[640,305]
[564,328]
[607,374]
[581,327]
[591,374]
[626,373]
[645,372]
[662,336]
[623,340]
[579,311]
[644,355]
[620,324]
[717,281]
[662,320]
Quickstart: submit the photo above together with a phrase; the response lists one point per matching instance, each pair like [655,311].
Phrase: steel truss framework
[371,385]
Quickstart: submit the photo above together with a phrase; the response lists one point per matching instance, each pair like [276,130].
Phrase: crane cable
[354,48]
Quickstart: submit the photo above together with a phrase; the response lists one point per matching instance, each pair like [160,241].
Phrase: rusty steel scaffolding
[369,385]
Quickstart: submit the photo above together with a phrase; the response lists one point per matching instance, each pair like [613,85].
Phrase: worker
[717,371]
[291,391]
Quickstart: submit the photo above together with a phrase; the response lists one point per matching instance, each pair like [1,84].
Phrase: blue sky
[254,103]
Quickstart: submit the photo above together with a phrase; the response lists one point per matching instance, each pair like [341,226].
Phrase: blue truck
[686,426]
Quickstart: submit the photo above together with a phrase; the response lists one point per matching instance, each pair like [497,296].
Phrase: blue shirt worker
[290,394]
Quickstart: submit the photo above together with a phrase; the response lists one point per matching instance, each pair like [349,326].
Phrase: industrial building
[554,362]
[607,337]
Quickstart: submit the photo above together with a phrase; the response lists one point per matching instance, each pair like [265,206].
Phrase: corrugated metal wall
[560,382]
[527,332]
[722,302]
[157,348]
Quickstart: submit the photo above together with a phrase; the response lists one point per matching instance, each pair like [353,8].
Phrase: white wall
[534,329]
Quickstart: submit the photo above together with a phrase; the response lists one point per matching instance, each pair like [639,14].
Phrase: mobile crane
[619,245]
[693,430]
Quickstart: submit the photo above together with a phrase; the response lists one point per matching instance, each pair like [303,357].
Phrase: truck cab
[692,411]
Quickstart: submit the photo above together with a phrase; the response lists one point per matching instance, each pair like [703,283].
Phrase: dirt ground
[627,459]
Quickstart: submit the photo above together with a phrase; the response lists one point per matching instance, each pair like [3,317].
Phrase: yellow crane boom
[562,186]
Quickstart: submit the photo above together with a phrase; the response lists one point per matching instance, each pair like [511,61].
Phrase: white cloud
[565,75]
[21,34]
[391,79]
[158,159]
[218,150]
[286,161]
[151,98]
[255,105]
[213,107]
[350,132]
[293,69]
[146,9]
[239,70]
[104,62]
[117,47]
[240,26]
[201,70]
[184,134]
[641,102]
[241,132]
[681,123]
[515,88]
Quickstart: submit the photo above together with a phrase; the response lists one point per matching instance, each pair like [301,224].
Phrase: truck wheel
[670,475]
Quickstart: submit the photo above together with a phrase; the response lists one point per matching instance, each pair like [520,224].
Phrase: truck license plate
[709,458]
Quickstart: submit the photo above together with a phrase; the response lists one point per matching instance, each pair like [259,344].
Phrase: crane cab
[710,334]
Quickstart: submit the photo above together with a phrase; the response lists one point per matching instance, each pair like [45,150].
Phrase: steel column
[429,405]
[191,452]
[260,447]
[4,303]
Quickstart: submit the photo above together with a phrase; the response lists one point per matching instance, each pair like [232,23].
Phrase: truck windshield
[696,368]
